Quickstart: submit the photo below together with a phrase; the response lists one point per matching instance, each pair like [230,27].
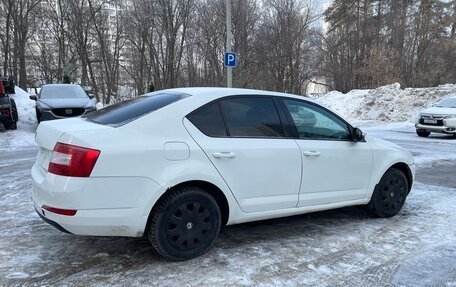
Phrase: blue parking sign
[230,59]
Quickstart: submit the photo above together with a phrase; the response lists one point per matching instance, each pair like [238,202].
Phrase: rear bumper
[4,119]
[107,206]
[55,224]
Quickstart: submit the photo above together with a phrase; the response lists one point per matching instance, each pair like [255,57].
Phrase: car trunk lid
[50,132]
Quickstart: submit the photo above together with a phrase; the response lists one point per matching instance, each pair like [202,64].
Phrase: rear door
[334,167]
[245,140]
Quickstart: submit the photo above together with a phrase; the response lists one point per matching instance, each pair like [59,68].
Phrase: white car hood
[439,111]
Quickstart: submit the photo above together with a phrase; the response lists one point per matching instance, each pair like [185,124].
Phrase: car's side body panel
[142,160]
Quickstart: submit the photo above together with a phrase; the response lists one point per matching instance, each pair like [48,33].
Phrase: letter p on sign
[230,59]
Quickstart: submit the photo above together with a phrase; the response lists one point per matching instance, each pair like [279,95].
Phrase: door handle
[224,154]
[312,153]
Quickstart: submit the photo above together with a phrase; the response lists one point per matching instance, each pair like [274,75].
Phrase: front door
[334,167]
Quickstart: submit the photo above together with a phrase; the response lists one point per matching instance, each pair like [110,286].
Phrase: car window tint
[313,122]
[251,117]
[209,120]
[129,110]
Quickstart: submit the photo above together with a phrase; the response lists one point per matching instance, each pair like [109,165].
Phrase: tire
[389,194]
[184,224]
[422,133]
[14,111]
[13,126]
[38,116]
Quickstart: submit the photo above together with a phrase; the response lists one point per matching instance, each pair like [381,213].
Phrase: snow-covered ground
[344,247]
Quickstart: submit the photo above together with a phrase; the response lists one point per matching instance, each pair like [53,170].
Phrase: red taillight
[2,90]
[67,212]
[7,113]
[70,160]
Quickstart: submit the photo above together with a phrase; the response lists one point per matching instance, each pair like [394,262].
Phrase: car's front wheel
[389,194]
[38,116]
[422,133]
[185,223]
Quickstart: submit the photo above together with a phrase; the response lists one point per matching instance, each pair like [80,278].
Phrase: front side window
[251,117]
[313,122]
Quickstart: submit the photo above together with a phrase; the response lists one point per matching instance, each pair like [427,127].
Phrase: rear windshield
[129,110]
[62,92]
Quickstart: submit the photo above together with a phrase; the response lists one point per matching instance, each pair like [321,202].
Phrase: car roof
[223,92]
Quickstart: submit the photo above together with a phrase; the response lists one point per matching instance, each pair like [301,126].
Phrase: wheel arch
[211,188]
[407,172]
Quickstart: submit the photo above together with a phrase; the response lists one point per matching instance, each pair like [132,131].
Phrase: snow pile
[388,103]
[25,107]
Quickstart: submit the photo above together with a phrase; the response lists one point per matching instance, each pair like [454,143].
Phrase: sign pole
[229,70]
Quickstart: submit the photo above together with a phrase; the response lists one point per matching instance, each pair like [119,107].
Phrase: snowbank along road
[344,247]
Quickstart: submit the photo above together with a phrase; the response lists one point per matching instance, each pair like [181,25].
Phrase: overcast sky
[321,2]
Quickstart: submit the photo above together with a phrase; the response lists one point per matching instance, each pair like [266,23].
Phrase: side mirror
[91,96]
[357,135]
[33,97]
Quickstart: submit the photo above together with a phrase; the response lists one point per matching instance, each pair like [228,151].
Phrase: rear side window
[129,110]
[209,120]
[251,117]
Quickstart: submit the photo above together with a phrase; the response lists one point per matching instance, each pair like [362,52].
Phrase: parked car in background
[58,101]
[438,119]
[8,111]
[176,165]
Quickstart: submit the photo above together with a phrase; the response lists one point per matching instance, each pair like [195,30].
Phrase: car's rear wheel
[13,126]
[422,133]
[389,194]
[14,111]
[185,223]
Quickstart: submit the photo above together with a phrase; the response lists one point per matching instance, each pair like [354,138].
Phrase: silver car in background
[58,101]
[438,119]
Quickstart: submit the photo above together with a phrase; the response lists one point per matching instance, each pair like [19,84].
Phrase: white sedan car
[176,165]
[438,119]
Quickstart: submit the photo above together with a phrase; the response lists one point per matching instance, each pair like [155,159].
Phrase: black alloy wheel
[185,224]
[389,195]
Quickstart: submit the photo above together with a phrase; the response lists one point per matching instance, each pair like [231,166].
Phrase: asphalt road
[344,247]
